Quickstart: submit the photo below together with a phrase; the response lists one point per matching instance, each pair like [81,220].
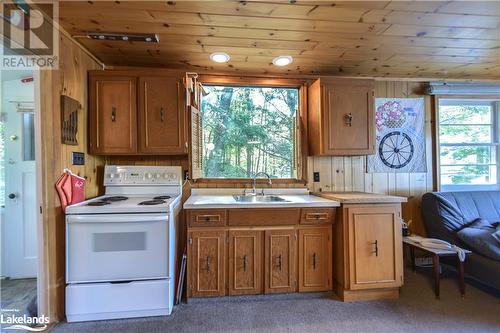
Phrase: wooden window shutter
[297,145]
[196,144]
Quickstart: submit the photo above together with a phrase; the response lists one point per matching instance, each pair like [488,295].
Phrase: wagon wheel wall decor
[396,149]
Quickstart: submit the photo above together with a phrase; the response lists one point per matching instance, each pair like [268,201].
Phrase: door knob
[12,196]
[13,137]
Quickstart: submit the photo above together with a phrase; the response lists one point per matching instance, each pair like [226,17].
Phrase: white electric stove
[120,247]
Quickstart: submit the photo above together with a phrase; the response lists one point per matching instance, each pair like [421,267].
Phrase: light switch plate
[78,158]
[316,176]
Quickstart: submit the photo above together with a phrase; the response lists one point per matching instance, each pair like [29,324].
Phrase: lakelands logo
[24,322]
[30,38]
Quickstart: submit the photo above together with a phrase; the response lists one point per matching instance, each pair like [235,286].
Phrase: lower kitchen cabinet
[368,240]
[252,251]
[245,262]
[315,259]
[207,261]
[375,247]
[280,261]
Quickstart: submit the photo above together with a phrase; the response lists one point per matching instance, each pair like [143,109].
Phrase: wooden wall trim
[80,45]
[304,76]
[436,181]
[71,80]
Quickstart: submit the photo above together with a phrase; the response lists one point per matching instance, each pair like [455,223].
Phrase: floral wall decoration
[400,136]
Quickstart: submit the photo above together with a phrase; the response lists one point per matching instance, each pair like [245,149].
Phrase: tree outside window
[247,130]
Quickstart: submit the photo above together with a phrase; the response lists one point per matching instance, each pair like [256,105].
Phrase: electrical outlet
[78,158]
[316,176]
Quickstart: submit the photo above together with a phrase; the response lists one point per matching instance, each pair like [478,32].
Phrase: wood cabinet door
[245,262]
[207,258]
[113,115]
[279,273]
[161,116]
[348,118]
[315,259]
[375,246]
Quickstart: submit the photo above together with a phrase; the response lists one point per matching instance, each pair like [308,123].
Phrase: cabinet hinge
[295,236]
[41,210]
[187,145]
[190,241]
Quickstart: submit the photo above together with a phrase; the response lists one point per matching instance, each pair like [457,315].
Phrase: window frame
[258,81]
[494,101]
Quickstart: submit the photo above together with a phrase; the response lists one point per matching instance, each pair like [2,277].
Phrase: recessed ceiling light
[282,60]
[220,57]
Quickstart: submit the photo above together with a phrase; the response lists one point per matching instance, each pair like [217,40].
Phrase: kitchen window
[468,144]
[248,128]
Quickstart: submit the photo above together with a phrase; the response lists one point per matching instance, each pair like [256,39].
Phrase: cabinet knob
[376,248]
[245,263]
[162,114]
[279,262]
[113,114]
[348,119]
[314,261]
[208,263]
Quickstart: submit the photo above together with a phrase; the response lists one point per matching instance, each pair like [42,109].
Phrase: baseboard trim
[365,295]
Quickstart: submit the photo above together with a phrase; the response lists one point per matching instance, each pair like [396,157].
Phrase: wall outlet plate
[316,176]
[78,158]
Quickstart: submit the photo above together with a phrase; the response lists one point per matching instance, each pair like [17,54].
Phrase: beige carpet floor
[416,311]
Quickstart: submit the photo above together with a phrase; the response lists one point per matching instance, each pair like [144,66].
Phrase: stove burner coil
[99,203]
[162,197]
[151,202]
[115,198]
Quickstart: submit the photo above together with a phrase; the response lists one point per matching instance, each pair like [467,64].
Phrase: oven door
[116,247]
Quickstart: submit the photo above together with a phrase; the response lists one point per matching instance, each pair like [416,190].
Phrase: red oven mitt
[60,191]
[77,189]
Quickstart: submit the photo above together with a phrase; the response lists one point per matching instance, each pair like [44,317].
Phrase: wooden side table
[436,254]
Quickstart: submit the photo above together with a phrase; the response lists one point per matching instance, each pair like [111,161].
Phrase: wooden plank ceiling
[415,39]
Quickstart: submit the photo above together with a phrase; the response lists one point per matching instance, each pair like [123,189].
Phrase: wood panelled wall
[70,80]
[344,174]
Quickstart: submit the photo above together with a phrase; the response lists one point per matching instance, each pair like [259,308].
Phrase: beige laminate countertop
[360,197]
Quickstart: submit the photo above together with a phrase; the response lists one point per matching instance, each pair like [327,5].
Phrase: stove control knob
[174,176]
[166,175]
[112,175]
[157,176]
[149,176]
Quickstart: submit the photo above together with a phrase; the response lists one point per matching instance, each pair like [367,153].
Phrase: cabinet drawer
[317,215]
[263,217]
[209,218]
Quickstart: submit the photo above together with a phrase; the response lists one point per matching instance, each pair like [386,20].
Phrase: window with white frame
[468,143]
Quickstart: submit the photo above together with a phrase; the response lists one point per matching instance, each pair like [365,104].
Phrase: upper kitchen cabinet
[161,116]
[341,117]
[113,114]
[136,113]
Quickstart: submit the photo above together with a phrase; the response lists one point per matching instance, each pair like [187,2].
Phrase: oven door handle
[113,218]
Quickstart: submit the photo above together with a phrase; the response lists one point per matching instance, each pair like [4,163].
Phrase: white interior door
[20,230]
